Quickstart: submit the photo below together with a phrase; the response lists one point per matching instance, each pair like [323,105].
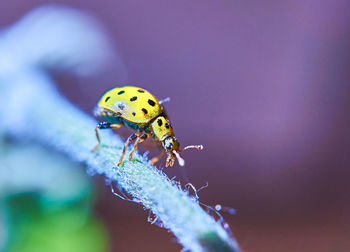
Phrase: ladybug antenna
[164,100]
[179,158]
[198,147]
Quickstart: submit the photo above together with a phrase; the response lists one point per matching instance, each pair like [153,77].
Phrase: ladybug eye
[169,146]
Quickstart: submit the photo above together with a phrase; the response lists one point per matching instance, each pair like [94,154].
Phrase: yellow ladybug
[138,109]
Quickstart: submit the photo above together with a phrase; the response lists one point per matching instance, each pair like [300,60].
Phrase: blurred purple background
[265,87]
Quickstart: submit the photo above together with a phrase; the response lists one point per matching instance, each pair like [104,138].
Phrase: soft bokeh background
[264,86]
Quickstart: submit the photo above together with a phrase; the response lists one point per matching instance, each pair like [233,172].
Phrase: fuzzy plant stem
[31,108]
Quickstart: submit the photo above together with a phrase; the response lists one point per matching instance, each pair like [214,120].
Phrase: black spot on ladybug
[152,103]
[144,110]
[133,98]
[133,113]
[107,98]
[167,125]
[121,106]
[140,91]
[160,122]
[121,92]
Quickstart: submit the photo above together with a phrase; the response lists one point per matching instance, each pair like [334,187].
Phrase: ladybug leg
[170,160]
[141,138]
[131,139]
[157,158]
[104,125]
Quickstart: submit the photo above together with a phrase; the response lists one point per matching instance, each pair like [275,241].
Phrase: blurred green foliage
[46,202]
[36,226]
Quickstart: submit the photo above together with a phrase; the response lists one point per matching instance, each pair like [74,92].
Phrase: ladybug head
[171,144]
[172,147]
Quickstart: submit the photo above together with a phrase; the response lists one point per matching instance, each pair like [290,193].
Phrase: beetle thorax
[161,128]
